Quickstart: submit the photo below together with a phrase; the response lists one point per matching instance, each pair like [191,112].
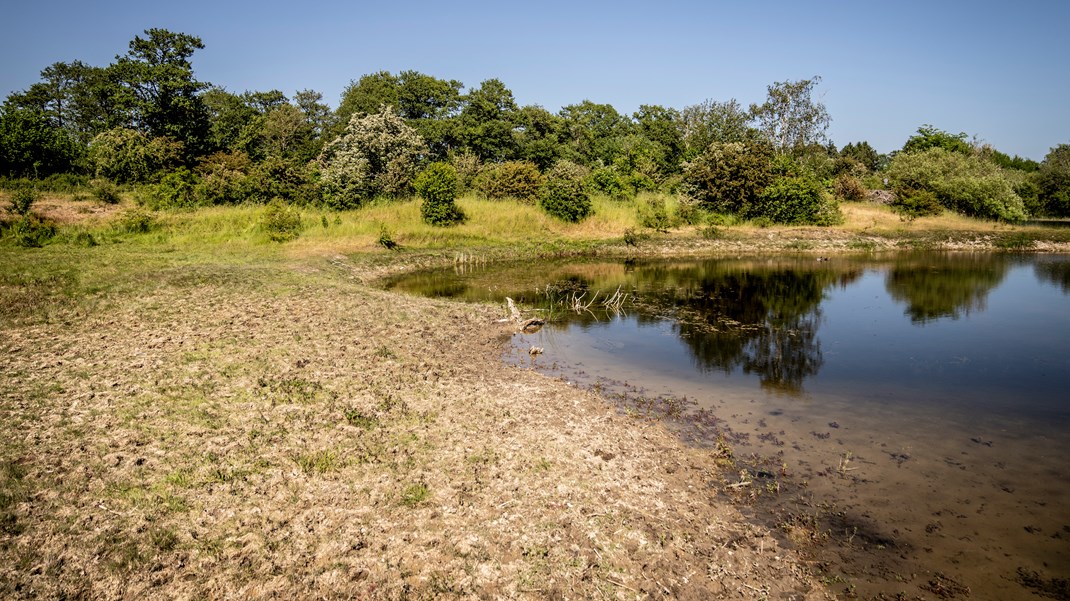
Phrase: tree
[130,156]
[662,126]
[32,146]
[711,121]
[966,183]
[931,137]
[594,131]
[1053,181]
[376,154]
[789,118]
[863,154]
[487,122]
[730,177]
[160,89]
[538,136]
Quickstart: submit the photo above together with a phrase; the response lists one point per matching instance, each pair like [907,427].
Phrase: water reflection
[755,316]
[939,286]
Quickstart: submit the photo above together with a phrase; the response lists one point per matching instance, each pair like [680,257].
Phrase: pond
[915,406]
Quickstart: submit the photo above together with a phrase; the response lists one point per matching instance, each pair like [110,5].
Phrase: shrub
[917,203]
[467,166]
[965,183]
[31,232]
[795,200]
[224,179]
[135,221]
[175,191]
[1053,182]
[437,186]
[849,188]
[653,213]
[609,181]
[375,155]
[727,177]
[295,183]
[105,191]
[566,199]
[280,221]
[129,156]
[22,199]
[512,179]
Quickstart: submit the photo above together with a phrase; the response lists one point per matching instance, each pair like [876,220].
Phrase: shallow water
[918,402]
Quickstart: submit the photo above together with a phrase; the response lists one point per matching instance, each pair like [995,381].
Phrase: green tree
[965,183]
[729,177]
[1053,181]
[538,136]
[130,156]
[594,132]
[662,126]
[376,154]
[711,121]
[931,137]
[32,146]
[863,154]
[160,88]
[487,122]
[789,118]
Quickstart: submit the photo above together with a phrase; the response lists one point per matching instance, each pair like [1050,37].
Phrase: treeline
[145,122]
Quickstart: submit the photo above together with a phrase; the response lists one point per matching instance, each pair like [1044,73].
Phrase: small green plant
[84,238]
[135,221]
[31,232]
[22,200]
[358,418]
[318,462]
[386,240]
[632,237]
[712,232]
[414,494]
[1017,241]
[105,191]
[280,221]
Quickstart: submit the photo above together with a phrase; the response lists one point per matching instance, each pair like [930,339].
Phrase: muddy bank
[245,436]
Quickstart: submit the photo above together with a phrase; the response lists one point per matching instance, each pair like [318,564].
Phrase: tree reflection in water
[945,286]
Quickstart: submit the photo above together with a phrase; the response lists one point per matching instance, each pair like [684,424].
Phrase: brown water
[903,419]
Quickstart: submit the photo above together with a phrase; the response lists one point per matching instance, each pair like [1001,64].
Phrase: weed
[1016,241]
[22,200]
[135,221]
[280,221]
[386,240]
[105,191]
[358,418]
[318,462]
[31,232]
[414,494]
[163,539]
[712,232]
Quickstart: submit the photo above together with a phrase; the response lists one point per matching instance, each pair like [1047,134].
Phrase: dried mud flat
[309,436]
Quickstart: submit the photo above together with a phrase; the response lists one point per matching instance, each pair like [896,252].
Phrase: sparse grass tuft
[414,494]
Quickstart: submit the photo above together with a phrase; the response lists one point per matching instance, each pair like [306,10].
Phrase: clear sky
[996,70]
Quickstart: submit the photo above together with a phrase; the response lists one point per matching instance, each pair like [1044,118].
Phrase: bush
[961,182]
[437,186]
[467,166]
[280,221]
[224,178]
[31,232]
[129,156]
[917,203]
[512,179]
[566,199]
[135,221]
[176,190]
[795,200]
[105,191]
[1053,182]
[376,155]
[849,188]
[22,200]
[609,181]
[652,213]
[728,177]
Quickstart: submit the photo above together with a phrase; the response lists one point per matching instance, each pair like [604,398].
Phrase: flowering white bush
[376,154]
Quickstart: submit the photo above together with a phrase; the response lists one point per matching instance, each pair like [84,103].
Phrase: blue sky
[995,70]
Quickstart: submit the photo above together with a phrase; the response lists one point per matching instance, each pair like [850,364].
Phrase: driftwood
[527,326]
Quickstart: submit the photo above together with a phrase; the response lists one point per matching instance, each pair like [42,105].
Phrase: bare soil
[310,436]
